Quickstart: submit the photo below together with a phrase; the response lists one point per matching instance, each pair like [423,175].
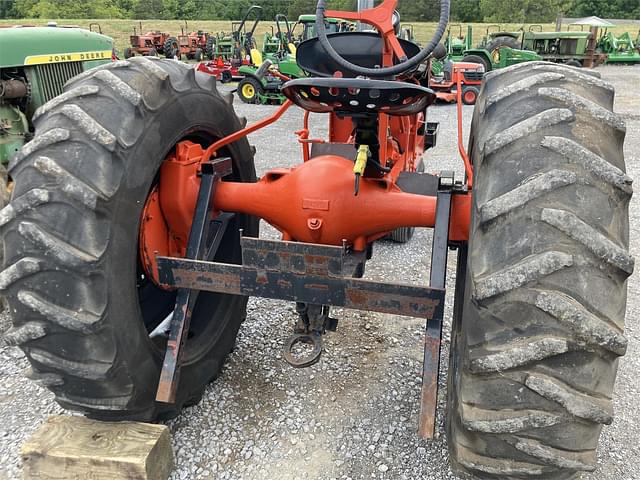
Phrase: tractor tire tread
[71,342]
[534,353]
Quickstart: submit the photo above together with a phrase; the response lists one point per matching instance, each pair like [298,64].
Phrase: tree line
[512,11]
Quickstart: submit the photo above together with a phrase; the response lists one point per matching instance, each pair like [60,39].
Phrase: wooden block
[76,448]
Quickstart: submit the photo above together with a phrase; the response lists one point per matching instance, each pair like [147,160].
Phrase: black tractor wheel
[470,94]
[210,49]
[82,309]
[479,60]
[535,348]
[128,52]
[226,77]
[198,56]
[248,90]
[172,48]
[574,63]
[502,41]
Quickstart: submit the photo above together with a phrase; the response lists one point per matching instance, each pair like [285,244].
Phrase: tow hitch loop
[304,347]
[303,359]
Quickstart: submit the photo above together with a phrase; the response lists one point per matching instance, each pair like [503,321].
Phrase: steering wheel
[381,17]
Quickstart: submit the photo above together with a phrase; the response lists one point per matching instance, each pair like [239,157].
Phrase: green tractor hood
[39,45]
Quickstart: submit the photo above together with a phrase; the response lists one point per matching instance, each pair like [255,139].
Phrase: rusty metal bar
[185,299]
[397,299]
[433,334]
[300,258]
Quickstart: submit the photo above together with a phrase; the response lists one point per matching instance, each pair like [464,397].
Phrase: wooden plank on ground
[77,448]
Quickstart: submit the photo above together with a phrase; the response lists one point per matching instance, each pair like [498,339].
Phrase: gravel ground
[354,414]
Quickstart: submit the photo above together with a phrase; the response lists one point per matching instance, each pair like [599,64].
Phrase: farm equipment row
[500,48]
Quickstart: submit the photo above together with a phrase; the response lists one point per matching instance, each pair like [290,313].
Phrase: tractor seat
[358,96]
[360,48]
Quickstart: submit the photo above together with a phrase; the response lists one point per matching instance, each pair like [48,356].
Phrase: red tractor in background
[190,44]
[131,240]
[458,75]
[151,43]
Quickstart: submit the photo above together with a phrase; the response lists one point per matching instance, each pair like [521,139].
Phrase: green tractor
[456,46]
[620,49]
[280,41]
[498,49]
[575,48]
[35,63]
[499,58]
[333,25]
[497,37]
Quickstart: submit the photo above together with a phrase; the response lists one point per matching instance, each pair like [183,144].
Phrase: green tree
[148,9]
[6,8]
[466,10]
[520,11]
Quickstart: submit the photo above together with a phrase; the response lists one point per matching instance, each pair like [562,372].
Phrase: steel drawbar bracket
[433,333]
[197,249]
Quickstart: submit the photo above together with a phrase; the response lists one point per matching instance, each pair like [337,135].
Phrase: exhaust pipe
[13,89]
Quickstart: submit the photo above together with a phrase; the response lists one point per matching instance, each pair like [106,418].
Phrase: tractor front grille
[53,76]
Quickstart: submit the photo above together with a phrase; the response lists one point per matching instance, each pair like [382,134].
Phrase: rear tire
[535,351]
[502,41]
[171,48]
[479,60]
[82,309]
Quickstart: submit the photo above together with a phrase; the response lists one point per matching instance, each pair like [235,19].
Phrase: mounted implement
[128,272]
[620,49]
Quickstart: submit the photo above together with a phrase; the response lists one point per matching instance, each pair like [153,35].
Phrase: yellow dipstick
[361,159]
[359,165]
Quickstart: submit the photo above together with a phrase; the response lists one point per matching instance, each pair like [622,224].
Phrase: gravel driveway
[354,414]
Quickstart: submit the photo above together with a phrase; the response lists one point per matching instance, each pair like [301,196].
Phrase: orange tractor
[131,240]
[190,44]
[151,43]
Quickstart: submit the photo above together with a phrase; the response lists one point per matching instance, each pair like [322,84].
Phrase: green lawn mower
[262,85]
